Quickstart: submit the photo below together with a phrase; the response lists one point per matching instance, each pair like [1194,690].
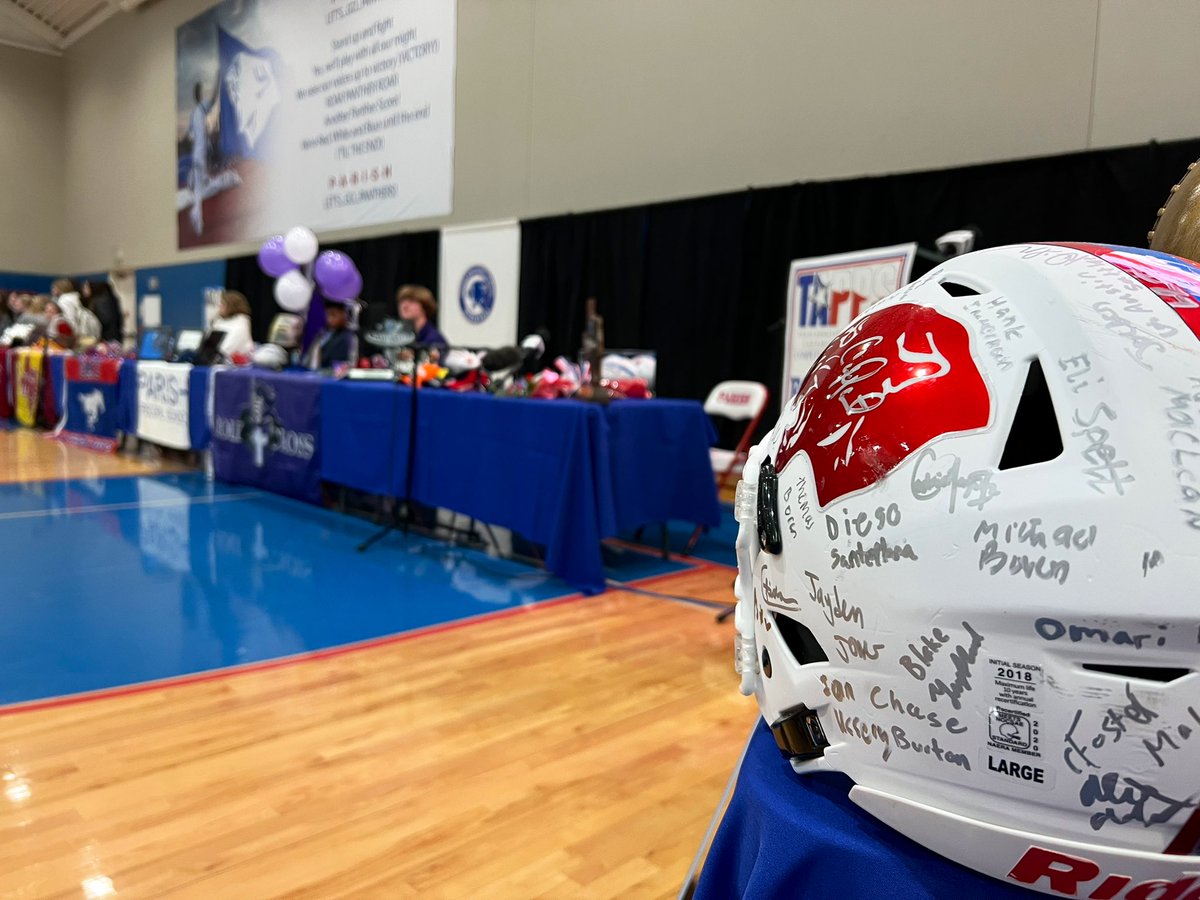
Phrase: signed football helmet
[966,559]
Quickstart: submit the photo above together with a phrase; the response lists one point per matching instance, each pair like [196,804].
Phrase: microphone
[534,347]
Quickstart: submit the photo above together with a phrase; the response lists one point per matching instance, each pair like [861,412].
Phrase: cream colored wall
[574,105]
[32,157]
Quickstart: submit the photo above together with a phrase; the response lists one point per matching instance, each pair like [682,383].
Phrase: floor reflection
[125,580]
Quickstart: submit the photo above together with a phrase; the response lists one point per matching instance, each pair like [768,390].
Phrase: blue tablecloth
[199,426]
[658,450]
[539,468]
[784,835]
[364,433]
[127,397]
[562,473]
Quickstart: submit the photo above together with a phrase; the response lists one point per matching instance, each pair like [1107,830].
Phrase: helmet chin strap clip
[745,647]
[799,735]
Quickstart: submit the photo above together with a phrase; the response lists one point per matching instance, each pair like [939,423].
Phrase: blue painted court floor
[119,581]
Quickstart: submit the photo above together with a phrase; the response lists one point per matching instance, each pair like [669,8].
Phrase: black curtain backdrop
[567,259]
[385,264]
[703,281]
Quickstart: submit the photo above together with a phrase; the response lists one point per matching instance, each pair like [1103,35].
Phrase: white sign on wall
[325,113]
[480,284]
[824,293]
[162,411]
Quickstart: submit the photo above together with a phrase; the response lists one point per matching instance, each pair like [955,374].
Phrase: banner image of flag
[27,385]
[90,405]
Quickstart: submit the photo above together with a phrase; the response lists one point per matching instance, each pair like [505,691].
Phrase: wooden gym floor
[576,748]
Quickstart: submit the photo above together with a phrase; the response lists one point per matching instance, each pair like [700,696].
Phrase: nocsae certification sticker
[1014,722]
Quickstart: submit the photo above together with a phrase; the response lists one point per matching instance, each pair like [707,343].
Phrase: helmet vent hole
[958,289]
[1034,437]
[799,640]
[1161,674]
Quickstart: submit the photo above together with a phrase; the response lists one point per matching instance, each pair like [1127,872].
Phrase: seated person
[416,305]
[233,318]
[337,343]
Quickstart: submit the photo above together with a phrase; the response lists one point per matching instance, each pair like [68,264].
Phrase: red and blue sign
[90,403]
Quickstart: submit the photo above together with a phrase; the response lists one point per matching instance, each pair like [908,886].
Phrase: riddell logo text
[1076,876]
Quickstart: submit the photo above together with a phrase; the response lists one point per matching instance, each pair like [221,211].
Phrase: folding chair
[738,401]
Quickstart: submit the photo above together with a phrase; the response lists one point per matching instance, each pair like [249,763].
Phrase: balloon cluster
[292,260]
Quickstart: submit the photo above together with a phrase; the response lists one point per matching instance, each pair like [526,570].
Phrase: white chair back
[737,400]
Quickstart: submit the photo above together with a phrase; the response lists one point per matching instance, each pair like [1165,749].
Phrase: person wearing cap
[337,343]
[416,305]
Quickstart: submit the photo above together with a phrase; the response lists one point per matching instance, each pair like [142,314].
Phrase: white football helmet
[966,560]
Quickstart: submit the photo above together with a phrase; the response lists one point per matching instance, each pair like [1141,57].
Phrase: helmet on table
[967,560]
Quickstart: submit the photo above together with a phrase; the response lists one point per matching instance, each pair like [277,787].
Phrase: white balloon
[293,291]
[300,245]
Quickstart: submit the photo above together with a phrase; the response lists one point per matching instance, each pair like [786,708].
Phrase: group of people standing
[72,315]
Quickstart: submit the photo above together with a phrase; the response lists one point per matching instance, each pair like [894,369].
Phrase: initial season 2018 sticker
[1013,716]
[1014,725]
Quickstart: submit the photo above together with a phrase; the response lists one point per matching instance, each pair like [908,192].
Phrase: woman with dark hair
[98,297]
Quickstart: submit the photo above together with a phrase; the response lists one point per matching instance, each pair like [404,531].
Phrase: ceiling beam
[98,17]
[32,47]
[30,24]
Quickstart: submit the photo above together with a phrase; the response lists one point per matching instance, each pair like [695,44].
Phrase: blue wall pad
[182,290]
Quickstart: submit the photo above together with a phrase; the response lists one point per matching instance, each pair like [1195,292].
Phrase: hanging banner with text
[326,113]
[480,284]
[266,430]
[163,415]
[825,293]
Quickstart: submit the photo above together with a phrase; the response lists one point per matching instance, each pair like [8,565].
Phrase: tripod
[406,521]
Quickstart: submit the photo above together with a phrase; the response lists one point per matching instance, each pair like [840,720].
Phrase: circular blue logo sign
[477,294]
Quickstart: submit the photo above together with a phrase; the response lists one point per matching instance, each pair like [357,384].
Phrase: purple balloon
[272,258]
[337,276]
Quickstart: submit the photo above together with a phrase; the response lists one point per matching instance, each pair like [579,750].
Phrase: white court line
[105,507]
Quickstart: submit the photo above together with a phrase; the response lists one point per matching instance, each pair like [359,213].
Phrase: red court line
[267,664]
[665,576]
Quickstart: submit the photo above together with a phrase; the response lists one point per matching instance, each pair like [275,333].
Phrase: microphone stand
[412,445]
[406,521]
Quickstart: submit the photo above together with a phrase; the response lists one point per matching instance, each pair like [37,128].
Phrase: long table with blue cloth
[562,473]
